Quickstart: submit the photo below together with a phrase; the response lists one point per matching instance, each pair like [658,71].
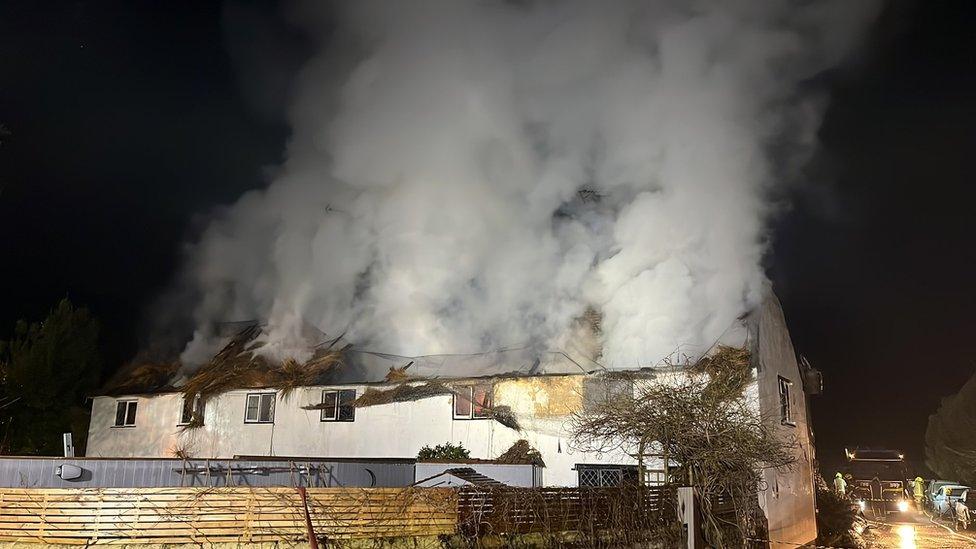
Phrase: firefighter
[840,485]
[918,490]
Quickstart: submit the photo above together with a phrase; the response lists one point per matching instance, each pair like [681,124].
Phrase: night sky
[130,123]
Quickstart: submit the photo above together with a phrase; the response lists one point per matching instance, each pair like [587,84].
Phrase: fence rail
[195,515]
[243,514]
[632,511]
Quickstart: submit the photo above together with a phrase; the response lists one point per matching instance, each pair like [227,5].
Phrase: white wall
[391,430]
[789,499]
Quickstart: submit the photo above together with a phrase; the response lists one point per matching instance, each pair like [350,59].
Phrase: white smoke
[487,170]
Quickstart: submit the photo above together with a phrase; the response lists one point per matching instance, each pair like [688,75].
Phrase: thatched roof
[142,377]
[401,393]
[239,365]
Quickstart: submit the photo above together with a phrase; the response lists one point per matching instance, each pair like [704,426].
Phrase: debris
[505,416]
[521,453]
[401,393]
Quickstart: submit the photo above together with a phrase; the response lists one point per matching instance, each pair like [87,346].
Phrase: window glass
[462,402]
[120,414]
[482,401]
[266,412]
[347,412]
[329,402]
[251,414]
[130,415]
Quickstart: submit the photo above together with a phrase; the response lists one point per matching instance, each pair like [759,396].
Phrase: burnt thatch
[399,375]
[401,393]
[142,378]
[521,453]
[505,416]
[729,368]
[239,366]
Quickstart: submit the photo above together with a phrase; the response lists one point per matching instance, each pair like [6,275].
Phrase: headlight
[861,504]
[902,506]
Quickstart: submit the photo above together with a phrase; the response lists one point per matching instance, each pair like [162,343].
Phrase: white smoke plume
[483,172]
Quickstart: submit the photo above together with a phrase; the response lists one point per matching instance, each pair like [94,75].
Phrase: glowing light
[902,506]
[862,504]
[906,537]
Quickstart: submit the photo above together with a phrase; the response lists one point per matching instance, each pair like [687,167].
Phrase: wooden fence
[630,513]
[211,515]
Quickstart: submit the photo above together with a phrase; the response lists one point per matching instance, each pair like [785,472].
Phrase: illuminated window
[473,402]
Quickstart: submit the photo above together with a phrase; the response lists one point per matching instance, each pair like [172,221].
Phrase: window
[785,401]
[192,409]
[125,413]
[337,405]
[473,402]
[260,408]
[605,475]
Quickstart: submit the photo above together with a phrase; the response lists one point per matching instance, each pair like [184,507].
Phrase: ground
[918,530]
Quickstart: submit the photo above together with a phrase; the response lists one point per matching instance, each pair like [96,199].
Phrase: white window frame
[467,392]
[338,405]
[784,389]
[198,409]
[260,397]
[133,403]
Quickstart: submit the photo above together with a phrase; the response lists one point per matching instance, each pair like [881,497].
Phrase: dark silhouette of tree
[950,440]
[47,369]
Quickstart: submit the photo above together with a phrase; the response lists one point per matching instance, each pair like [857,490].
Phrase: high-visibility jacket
[840,485]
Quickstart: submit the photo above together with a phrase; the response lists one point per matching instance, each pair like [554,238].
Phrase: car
[944,501]
[933,488]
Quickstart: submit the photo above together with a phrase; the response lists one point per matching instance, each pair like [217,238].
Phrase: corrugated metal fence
[18,472]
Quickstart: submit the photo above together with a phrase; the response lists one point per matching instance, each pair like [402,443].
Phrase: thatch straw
[505,416]
[521,453]
[238,366]
[144,377]
[401,393]
[730,369]
[399,375]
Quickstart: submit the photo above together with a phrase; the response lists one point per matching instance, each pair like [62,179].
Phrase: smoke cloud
[483,174]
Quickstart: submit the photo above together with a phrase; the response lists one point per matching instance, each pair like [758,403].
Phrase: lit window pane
[482,401]
[462,402]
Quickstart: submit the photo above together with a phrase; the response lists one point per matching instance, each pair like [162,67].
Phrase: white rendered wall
[391,430]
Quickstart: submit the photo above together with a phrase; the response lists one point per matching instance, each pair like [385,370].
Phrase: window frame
[467,392]
[198,409]
[783,389]
[338,406]
[259,396]
[125,418]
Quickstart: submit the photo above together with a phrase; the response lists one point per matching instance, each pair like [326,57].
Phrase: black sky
[129,124]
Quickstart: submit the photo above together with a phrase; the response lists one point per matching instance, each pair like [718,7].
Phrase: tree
[47,370]
[950,439]
[699,420]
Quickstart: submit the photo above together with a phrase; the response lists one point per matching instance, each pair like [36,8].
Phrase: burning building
[340,404]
